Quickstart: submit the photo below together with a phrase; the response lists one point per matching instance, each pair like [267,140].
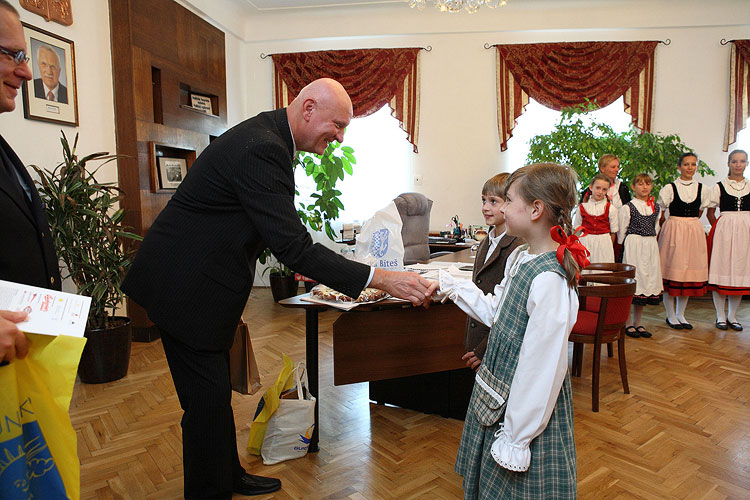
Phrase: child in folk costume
[598,216]
[639,224]
[682,242]
[729,269]
[617,193]
[517,441]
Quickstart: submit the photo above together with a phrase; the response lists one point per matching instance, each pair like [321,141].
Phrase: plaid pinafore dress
[552,472]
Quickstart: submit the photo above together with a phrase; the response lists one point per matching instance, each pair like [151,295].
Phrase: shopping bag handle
[300,374]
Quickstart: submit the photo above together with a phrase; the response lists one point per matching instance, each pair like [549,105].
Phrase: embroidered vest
[679,208]
[643,225]
[595,224]
[730,203]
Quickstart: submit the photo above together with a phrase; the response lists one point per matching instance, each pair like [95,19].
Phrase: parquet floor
[683,432]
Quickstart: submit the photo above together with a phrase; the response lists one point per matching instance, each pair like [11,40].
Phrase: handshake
[405,285]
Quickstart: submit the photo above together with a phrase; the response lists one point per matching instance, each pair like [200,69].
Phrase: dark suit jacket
[27,252]
[486,276]
[194,270]
[62,92]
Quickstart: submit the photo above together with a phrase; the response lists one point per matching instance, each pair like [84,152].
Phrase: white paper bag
[290,428]
[380,243]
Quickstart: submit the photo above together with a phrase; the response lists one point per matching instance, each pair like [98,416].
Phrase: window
[539,120]
[383,169]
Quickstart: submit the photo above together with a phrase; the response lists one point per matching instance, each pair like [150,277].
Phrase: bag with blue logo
[380,244]
[291,426]
[38,454]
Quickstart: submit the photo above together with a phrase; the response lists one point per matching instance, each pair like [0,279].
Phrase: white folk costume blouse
[688,190]
[624,217]
[595,208]
[543,361]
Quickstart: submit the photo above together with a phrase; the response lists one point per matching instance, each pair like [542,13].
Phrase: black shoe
[249,484]
[676,326]
[643,332]
[630,331]
[686,326]
[735,326]
[721,325]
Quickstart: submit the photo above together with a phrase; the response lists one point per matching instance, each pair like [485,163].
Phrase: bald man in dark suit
[194,270]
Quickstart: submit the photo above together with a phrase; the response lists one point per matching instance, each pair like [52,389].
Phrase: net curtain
[559,75]
[372,77]
[739,90]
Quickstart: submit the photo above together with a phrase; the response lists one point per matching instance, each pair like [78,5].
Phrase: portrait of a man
[49,85]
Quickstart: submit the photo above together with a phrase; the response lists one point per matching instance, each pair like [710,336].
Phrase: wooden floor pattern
[683,432]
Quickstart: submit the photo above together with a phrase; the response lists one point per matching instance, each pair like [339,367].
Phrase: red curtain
[565,74]
[372,77]
[739,90]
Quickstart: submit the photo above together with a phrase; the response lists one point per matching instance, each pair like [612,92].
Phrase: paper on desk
[430,270]
[50,312]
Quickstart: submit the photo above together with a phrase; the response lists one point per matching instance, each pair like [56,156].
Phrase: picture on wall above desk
[51,94]
[171,172]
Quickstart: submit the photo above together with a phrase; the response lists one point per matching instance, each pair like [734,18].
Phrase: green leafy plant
[579,141]
[326,170]
[88,229]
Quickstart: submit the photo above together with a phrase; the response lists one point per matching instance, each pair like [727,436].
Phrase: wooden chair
[607,269]
[603,326]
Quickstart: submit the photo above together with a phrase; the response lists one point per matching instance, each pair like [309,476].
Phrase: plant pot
[107,353]
[283,287]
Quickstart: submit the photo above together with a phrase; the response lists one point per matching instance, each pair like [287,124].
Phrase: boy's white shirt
[543,361]
[494,240]
[624,222]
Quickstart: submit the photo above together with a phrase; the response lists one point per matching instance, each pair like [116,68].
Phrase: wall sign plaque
[52,10]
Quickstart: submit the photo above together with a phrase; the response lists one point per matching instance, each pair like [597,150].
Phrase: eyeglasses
[17,55]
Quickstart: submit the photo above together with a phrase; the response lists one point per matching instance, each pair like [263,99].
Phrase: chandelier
[452,6]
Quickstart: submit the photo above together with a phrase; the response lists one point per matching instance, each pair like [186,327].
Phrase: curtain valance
[559,75]
[739,90]
[372,77]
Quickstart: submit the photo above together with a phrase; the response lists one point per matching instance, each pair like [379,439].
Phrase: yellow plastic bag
[38,455]
[268,405]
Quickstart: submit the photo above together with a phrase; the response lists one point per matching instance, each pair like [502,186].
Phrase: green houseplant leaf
[88,229]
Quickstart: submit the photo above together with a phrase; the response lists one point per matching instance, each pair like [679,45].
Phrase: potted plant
[579,142]
[326,170]
[88,234]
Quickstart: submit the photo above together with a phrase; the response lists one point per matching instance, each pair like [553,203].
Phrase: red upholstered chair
[605,325]
[607,269]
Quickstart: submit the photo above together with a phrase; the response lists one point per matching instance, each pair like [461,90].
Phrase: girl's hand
[432,288]
[472,361]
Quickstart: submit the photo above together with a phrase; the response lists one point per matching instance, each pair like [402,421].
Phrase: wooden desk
[385,340]
[450,247]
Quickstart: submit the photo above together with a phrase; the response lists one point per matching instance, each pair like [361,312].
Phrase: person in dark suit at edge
[48,86]
[27,255]
[194,269]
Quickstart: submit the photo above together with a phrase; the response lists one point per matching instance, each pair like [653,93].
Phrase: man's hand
[13,343]
[472,361]
[409,286]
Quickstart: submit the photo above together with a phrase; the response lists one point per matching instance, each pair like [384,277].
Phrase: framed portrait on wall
[51,94]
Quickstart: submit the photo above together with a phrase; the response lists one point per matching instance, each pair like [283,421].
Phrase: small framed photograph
[202,103]
[171,172]
[51,94]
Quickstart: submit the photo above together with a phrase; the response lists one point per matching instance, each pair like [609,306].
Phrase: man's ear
[307,108]
[537,210]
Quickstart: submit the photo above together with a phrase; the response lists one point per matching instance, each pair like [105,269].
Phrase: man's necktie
[50,96]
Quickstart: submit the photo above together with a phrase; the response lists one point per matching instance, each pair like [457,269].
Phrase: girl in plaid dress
[517,441]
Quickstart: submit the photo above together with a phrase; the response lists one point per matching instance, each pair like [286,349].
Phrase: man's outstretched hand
[404,285]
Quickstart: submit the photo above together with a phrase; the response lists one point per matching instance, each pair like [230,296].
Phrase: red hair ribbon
[573,243]
[650,203]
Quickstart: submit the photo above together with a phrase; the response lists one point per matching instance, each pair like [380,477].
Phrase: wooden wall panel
[189,54]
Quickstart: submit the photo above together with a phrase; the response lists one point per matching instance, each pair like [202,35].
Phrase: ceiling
[310,4]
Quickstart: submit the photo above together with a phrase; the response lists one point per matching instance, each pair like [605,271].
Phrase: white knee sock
[734,304]
[681,306]
[719,301]
[669,306]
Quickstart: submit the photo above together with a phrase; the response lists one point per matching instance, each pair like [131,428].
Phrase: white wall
[458,143]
